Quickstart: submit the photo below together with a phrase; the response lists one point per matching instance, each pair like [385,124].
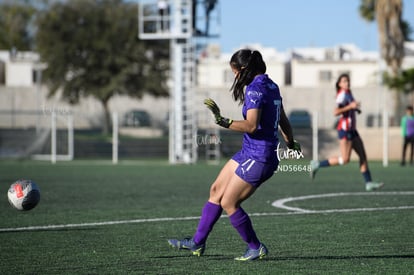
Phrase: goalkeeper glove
[222,121]
[294,145]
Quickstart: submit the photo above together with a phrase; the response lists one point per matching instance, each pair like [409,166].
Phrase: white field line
[278,203]
[92,224]
[281,203]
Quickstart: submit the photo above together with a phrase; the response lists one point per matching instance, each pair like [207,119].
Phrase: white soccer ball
[23,195]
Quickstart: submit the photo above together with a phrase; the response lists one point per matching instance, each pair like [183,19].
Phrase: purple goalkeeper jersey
[262,93]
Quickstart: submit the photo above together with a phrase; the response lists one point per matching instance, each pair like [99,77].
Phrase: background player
[257,160]
[407,129]
[348,135]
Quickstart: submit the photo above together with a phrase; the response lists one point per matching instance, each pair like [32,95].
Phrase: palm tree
[392,34]
[388,14]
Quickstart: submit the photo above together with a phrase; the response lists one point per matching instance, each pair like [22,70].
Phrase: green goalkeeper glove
[222,121]
[294,145]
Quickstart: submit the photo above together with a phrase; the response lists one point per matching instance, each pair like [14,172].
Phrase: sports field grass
[99,218]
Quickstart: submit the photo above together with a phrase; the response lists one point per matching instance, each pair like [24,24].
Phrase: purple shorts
[252,171]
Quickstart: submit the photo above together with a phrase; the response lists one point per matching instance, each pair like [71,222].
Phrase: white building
[213,70]
[306,76]
[18,69]
[317,67]
[300,67]
[408,61]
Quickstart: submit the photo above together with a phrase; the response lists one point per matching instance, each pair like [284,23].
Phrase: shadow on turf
[218,257]
[340,257]
[47,229]
[222,257]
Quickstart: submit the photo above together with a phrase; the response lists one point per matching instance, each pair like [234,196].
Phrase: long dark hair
[339,79]
[249,64]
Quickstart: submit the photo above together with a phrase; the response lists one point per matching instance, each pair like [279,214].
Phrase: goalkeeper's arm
[249,125]
[287,132]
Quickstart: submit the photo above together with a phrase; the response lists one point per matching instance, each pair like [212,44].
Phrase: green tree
[393,31]
[403,82]
[15,19]
[92,49]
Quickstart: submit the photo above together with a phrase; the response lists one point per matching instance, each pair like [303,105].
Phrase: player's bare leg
[211,212]
[345,147]
[236,191]
[359,148]
[222,181]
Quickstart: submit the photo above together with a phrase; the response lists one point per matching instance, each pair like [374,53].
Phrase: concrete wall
[89,112]
[321,100]
[23,102]
[373,139]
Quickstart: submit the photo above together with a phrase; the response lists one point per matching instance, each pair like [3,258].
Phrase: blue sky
[284,24]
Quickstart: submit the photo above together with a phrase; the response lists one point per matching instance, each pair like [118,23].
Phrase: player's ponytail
[249,64]
[256,63]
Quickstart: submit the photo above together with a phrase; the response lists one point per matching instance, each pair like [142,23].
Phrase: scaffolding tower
[174,20]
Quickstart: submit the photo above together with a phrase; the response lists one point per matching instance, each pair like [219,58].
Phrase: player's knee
[228,205]
[213,190]
[215,194]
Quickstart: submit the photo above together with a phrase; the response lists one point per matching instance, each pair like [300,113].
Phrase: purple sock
[210,214]
[242,223]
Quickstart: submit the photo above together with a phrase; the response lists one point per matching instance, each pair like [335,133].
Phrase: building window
[2,73]
[34,76]
[325,76]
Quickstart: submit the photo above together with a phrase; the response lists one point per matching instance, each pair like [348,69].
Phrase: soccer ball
[23,195]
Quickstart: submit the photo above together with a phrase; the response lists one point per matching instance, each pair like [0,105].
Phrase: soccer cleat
[253,254]
[314,166]
[371,186]
[188,243]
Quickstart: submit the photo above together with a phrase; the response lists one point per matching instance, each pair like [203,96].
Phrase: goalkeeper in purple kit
[257,160]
